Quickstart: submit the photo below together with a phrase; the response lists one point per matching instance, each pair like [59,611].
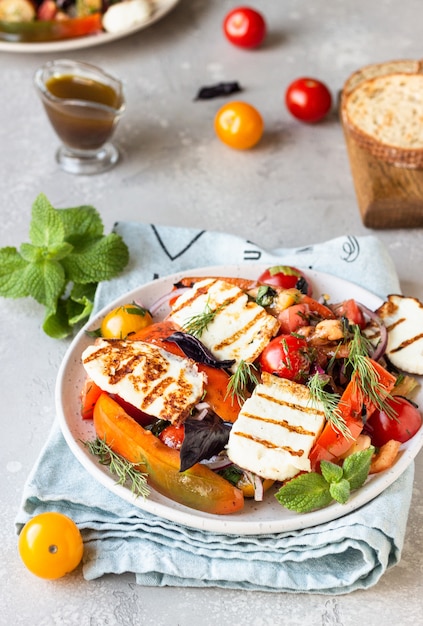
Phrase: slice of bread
[403,66]
[384,113]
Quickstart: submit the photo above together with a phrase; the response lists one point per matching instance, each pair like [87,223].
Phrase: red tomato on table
[308,99]
[284,276]
[244,27]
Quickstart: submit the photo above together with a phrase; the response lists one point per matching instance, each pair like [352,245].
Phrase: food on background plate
[302,420]
[381,110]
[53,20]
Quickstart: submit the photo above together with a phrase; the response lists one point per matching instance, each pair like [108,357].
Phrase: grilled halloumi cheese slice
[276,429]
[155,381]
[403,318]
[238,327]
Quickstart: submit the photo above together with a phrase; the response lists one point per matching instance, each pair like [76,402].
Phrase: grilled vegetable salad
[248,385]
[51,20]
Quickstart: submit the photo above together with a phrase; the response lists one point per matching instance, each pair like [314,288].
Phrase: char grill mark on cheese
[407,342]
[276,429]
[269,444]
[150,378]
[232,339]
[239,328]
[403,318]
[283,423]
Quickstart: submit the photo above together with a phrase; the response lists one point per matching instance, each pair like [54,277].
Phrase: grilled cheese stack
[276,429]
[155,381]
[403,318]
[239,328]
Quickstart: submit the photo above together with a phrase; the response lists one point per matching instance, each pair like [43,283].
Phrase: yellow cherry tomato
[50,545]
[125,320]
[239,125]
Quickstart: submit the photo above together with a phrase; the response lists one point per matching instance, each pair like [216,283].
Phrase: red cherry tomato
[308,99]
[293,317]
[402,427]
[287,357]
[244,27]
[351,310]
[173,436]
[285,276]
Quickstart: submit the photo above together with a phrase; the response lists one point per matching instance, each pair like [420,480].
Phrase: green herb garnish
[368,379]
[68,255]
[311,491]
[124,470]
[197,324]
[330,403]
[241,379]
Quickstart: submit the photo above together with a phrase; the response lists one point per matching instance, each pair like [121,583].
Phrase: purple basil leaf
[197,351]
[203,439]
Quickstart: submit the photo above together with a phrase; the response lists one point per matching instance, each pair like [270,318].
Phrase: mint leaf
[46,227]
[45,282]
[56,323]
[80,302]
[305,493]
[67,256]
[340,491]
[356,467]
[12,274]
[81,223]
[331,472]
[102,259]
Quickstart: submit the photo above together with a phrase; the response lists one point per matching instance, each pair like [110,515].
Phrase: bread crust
[382,110]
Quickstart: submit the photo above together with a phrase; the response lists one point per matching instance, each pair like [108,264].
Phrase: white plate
[256,518]
[161,8]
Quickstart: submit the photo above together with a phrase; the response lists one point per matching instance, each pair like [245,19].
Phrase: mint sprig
[67,256]
[311,491]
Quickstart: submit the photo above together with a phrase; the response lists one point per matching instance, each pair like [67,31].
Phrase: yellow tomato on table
[50,545]
[239,125]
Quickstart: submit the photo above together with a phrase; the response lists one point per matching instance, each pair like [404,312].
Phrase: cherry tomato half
[350,310]
[287,357]
[124,320]
[239,125]
[50,545]
[173,436]
[285,276]
[308,99]
[381,428]
[244,27]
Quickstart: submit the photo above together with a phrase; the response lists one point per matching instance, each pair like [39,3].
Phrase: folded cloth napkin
[336,557]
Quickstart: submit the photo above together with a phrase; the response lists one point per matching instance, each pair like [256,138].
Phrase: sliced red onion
[257,483]
[218,462]
[380,348]
[164,300]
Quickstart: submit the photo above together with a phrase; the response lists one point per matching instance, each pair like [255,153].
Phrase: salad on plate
[54,20]
[247,386]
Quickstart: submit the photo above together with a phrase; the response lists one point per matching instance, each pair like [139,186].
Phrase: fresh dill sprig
[330,402]
[244,375]
[368,379]
[197,324]
[124,470]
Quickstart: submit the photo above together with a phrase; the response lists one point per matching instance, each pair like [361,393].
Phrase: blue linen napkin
[337,557]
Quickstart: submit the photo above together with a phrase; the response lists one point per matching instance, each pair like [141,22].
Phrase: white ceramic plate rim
[162,7]
[255,518]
